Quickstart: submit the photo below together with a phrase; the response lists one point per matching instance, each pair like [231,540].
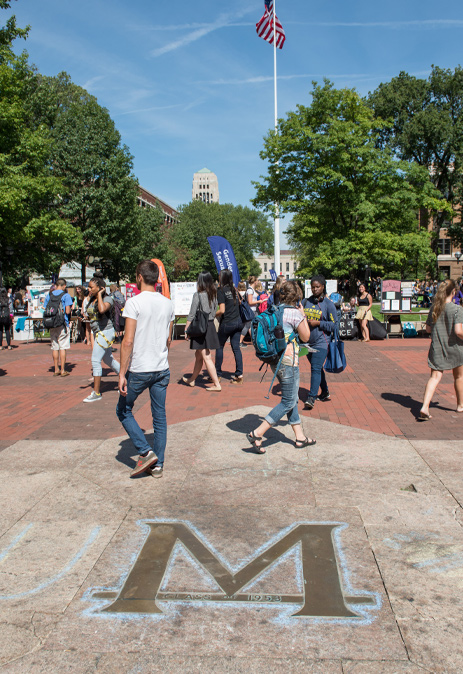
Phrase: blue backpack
[268,337]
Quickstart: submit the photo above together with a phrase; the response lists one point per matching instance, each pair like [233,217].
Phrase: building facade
[147,200]
[205,187]
[448,259]
[288,265]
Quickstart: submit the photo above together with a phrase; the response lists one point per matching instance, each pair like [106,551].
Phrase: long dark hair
[3,297]
[206,285]
[226,279]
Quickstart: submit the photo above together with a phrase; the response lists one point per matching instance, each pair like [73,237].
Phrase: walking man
[149,320]
[57,309]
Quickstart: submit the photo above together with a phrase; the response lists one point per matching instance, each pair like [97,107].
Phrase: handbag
[335,358]
[246,313]
[198,326]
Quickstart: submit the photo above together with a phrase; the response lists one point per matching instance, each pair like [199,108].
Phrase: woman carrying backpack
[6,311]
[99,312]
[294,321]
[230,325]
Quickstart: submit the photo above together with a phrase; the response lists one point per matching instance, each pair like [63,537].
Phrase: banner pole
[276,225]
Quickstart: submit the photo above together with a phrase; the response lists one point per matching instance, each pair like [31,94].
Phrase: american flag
[264,28]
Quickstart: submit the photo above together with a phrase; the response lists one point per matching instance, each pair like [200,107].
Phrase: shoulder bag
[335,358]
[198,326]
[246,313]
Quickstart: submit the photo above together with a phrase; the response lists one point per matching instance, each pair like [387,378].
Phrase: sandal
[254,439]
[65,374]
[187,381]
[304,443]
[213,388]
[424,417]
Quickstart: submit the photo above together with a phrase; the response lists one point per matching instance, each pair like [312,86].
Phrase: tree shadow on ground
[127,451]
[251,421]
[2,372]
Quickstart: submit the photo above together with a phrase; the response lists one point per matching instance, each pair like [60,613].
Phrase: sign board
[396,296]
[182,295]
[331,286]
[131,290]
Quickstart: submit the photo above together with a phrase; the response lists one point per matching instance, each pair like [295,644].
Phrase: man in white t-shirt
[149,320]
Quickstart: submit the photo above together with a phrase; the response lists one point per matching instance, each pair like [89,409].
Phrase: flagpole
[277,210]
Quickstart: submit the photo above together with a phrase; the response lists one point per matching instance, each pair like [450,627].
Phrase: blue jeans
[288,376]
[102,350]
[232,330]
[157,383]
[317,373]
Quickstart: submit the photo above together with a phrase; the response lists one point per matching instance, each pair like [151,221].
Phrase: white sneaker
[93,397]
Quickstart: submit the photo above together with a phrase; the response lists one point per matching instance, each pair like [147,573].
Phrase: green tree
[99,195]
[189,253]
[10,31]
[426,127]
[354,203]
[32,234]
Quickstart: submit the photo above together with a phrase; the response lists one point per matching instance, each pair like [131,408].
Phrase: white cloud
[200,30]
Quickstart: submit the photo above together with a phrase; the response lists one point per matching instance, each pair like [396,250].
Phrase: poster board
[331,287]
[396,296]
[181,295]
[131,290]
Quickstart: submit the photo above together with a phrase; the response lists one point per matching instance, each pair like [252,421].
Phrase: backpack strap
[291,337]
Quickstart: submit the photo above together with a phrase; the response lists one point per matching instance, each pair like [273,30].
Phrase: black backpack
[4,313]
[53,315]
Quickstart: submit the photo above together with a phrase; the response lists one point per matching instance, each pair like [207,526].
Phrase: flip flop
[65,374]
[304,443]
[253,439]
[424,417]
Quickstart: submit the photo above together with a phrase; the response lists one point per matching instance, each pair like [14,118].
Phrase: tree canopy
[426,127]
[187,250]
[31,230]
[354,202]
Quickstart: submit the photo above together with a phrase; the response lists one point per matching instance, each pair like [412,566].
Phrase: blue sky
[190,85]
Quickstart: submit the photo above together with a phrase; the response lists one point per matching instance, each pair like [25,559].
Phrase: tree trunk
[83,271]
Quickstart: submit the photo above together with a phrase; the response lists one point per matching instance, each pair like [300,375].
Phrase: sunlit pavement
[206,568]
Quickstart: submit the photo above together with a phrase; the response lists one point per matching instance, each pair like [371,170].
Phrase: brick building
[147,200]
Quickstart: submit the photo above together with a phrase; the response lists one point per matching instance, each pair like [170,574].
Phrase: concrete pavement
[206,568]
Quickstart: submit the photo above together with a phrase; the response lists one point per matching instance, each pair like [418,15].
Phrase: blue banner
[273,275]
[224,257]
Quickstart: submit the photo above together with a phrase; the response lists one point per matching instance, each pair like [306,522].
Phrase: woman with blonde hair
[445,323]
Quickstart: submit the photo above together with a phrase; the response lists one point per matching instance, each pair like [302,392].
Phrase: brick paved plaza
[345,557]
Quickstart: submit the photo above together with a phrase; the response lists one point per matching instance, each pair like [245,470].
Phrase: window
[265,266]
[281,266]
[294,266]
[444,247]
[287,266]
